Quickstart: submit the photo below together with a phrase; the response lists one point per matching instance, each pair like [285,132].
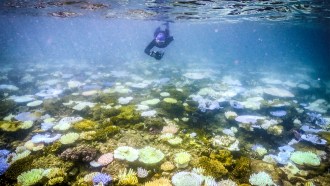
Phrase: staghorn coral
[127,178]
[80,153]
[212,167]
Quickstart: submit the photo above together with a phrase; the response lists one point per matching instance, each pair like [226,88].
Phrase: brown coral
[80,153]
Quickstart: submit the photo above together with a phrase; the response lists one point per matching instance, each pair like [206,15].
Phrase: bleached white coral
[261,179]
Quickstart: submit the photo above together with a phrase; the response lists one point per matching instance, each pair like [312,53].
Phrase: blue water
[224,54]
[29,38]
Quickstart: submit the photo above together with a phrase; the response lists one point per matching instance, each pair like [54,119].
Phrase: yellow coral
[10,126]
[84,125]
[127,178]
[159,182]
[212,167]
[88,135]
[167,166]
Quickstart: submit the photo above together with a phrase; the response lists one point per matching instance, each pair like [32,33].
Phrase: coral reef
[85,125]
[212,167]
[127,177]
[126,153]
[31,177]
[150,155]
[241,171]
[186,178]
[80,153]
[182,159]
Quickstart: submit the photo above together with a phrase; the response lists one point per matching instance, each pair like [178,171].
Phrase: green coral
[242,170]
[127,116]
[150,155]
[85,125]
[305,158]
[212,167]
[31,177]
[105,133]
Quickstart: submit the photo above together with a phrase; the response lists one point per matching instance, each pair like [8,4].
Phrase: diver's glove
[157,55]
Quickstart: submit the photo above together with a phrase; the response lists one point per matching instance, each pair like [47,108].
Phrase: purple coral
[3,166]
[45,138]
[278,113]
[102,178]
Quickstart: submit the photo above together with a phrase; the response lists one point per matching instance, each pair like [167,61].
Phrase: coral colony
[191,126]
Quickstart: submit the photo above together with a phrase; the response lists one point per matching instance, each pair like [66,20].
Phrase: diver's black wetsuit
[168,39]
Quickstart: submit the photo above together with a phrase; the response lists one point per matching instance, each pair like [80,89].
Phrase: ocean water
[241,96]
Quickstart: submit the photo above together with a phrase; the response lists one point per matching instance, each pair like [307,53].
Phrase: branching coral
[241,170]
[212,167]
[127,178]
[224,156]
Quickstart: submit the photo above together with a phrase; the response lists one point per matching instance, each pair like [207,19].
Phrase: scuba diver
[161,39]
